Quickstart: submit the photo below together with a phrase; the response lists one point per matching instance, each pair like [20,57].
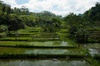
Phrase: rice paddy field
[35,48]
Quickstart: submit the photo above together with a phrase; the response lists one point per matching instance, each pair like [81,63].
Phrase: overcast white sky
[59,7]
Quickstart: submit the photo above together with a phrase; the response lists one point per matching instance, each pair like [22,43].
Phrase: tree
[81,35]
[15,23]
[8,9]
[93,13]
[74,21]
[24,10]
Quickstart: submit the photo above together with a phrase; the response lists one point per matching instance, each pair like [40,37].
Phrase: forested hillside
[79,26]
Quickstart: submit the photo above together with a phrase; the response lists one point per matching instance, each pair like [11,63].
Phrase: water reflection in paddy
[43,63]
[94,48]
[94,51]
[50,43]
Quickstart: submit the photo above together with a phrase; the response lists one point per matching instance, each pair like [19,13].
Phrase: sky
[59,7]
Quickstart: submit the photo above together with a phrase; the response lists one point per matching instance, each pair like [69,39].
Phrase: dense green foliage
[93,13]
[81,25]
[78,26]
[22,15]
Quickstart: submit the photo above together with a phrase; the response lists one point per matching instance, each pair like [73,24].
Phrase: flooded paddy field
[93,48]
[45,62]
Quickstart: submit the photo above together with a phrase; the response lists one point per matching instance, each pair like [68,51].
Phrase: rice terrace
[47,39]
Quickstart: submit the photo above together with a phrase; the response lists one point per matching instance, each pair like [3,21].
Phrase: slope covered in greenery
[76,27]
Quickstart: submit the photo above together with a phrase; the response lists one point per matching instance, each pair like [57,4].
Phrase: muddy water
[54,62]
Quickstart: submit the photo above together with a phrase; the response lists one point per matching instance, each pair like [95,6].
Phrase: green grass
[63,30]
[12,50]
[16,39]
[55,51]
[30,30]
[93,61]
[38,38]
[13,43]
[71,41]
[45,43]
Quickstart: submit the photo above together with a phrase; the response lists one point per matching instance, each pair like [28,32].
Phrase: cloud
[59,7]
[10,2]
